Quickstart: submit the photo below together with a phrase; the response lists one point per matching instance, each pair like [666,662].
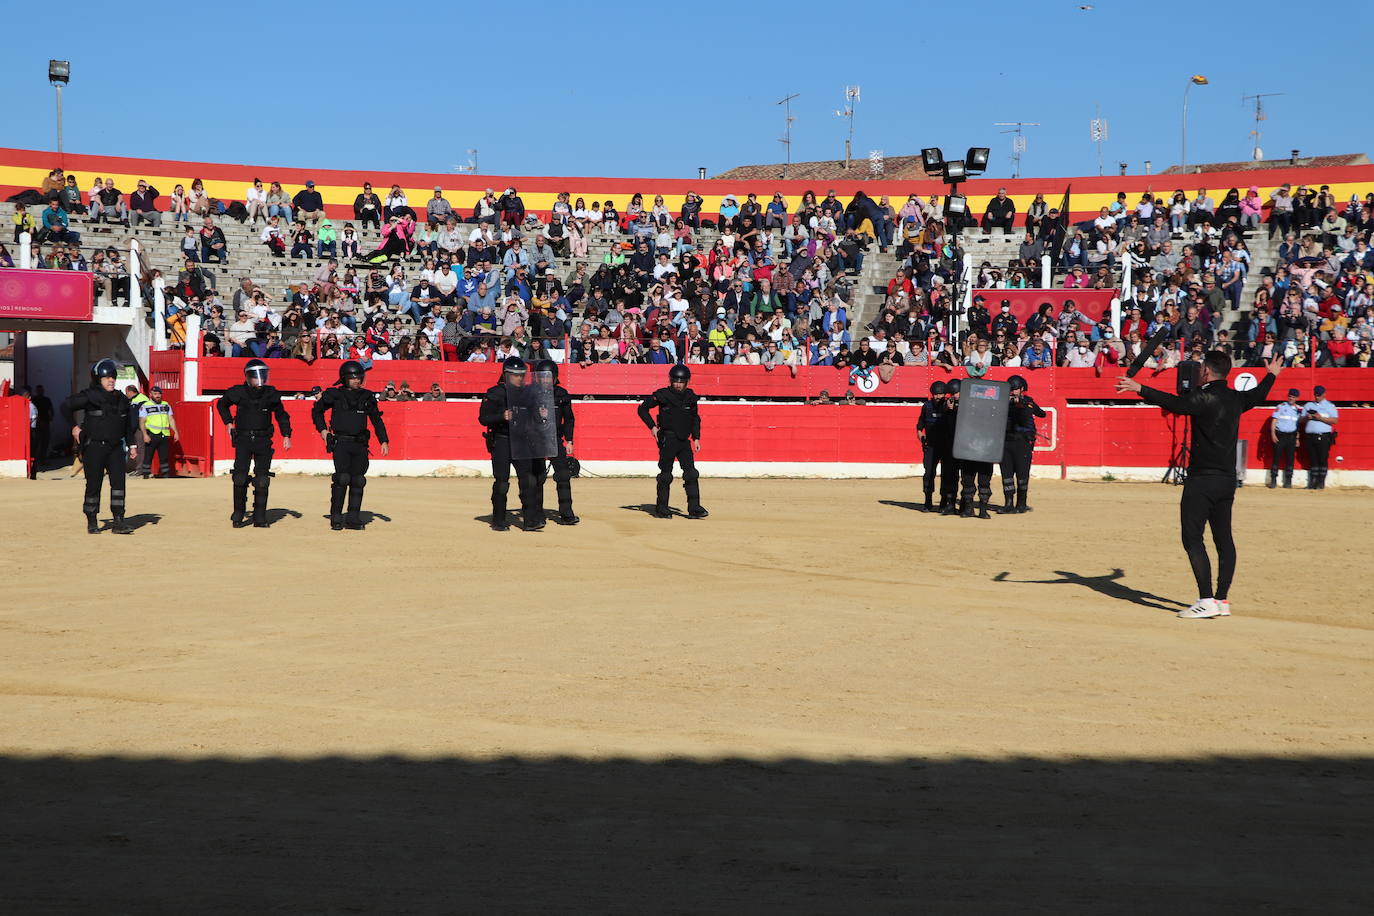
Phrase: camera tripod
[1177,472]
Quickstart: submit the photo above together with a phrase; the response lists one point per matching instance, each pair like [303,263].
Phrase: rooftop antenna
[1259,98]
[1018,142]
[851,95]
[786,140]
[1097,127]
[472,163]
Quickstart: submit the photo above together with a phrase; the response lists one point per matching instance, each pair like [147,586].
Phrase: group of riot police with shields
[966,427]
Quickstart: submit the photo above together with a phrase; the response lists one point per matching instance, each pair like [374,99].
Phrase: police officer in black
[677,430]
[949,465]
[1019,447]
[929,427]
[1209,493]
[562,462]
[248,410]
[495,414]
[349,406]
[973,474]
[109,423]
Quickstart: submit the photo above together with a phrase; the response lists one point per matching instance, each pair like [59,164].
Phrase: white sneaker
[1223,607]
[1205,607]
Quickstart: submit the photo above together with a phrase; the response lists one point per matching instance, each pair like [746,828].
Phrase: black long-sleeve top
[1216,410]
[349,410]
[108,416]
[677,413]
[253,409]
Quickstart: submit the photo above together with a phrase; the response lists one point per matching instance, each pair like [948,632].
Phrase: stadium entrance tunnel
[396,835]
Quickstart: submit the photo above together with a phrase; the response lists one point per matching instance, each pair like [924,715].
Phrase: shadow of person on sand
[135,522]
[914,507]
[276,515]
[648,509]
[1108,585]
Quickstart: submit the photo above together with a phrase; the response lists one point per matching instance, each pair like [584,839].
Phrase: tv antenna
[1097,129]
[1018,142]
[786,140]
[851,95]
[472,163]
[1259,98]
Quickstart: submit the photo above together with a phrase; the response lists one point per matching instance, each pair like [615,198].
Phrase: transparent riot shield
[534,421]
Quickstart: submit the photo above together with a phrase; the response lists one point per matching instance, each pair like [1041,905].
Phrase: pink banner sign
[65,295]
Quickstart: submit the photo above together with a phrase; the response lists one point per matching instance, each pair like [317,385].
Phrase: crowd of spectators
[771,284]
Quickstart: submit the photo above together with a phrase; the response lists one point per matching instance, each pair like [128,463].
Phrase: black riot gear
[1017,383]
[547,365]
[679,373]
[515,365]
[938,388]
[351,369]
[952,386]
[255,370]
[350,410]
[106,368]
[678,425]
[248,411]
[109,425]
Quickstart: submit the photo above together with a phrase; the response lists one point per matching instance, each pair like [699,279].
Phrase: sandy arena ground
[817,700]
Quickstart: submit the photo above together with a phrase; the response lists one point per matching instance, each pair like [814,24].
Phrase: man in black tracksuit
[1210,489]
[495,414]
[930,429]
[677,430]
[1019,447]
[350,406]
[562,462]
[109,424]
[248,410]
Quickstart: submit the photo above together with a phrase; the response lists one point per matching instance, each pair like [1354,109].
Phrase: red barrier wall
[14,430]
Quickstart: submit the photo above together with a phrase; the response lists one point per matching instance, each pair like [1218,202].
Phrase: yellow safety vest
[158,417]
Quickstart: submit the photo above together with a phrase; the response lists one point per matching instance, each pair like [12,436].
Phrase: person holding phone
[1320,417]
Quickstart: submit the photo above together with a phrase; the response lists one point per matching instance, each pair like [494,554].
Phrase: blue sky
[599,88]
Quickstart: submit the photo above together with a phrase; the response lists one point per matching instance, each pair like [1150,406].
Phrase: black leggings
[1207,500]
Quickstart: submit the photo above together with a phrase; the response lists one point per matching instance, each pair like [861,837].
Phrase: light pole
[1196,79]
[59,74]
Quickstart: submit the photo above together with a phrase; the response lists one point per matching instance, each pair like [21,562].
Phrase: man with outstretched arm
[1209,493]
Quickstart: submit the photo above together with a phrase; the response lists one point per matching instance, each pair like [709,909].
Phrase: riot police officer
[350,406]
[1019,447]
[248,410]
[562,462]
[928,429]
[949,465]
[972,474]
[677,430]
[495,413]
[109,425]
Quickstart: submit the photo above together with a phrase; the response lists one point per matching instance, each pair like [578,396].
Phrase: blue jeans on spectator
[279,210]
[396,297]
[207,254]
[347,320]
[884,230]
[1178,222]
[301,250]
[328,250]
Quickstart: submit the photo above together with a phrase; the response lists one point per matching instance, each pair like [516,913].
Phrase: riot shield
[534,421]
[981,424]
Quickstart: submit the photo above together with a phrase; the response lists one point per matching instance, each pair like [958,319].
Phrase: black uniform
[943,436]
[108,427]
[1018,451]
[349,411]
[250,409]
[679,425]
[1210,490]
[562,465]
[492,415]
[937,447]
[975,474]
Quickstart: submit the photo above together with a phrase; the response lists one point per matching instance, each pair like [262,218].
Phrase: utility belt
[253,433]
[1319,435]
[351,437]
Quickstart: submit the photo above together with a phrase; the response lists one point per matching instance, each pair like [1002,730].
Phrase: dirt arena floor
[816,700]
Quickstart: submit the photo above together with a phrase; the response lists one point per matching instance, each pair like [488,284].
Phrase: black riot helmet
[679,373]
[952,386]
[255,370]
[106,368]
[548,365]
[1017,383]
[514,365]
[350,369]
[938,388]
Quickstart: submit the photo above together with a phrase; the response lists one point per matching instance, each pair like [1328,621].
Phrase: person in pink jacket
[1251,209]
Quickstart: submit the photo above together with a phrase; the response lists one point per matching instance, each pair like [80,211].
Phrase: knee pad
[665,478]
[240,479]
[358,481]
[500,487]
[261,481]
[341,479]
[690,475]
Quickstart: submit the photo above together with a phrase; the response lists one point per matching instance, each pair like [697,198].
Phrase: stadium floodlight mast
[952,172]
[59,75]
[1197,79]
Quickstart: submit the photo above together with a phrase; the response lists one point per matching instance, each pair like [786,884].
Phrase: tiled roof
[895,168]
[1302,162]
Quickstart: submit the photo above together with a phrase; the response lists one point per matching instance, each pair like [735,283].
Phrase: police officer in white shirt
[1321,416]
[1284,432]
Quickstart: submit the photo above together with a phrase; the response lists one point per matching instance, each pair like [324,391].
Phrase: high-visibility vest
[158,417]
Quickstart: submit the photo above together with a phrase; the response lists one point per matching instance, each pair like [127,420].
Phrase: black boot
[260,502]
[983,509]
[1273,480]
[1022,492]
[966,508]
[661,504]
[120,526]
[1287,480]
[353,520]
[336,500]
[240,504]
[92,523]
[947,505]
[1321,479]
[930,502]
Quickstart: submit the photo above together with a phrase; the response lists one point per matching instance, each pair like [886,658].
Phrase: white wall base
[14,467]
